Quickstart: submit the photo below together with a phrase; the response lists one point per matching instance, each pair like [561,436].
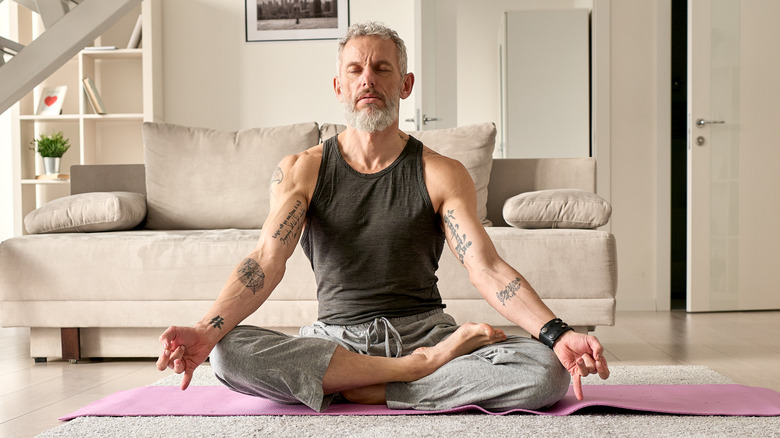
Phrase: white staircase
[70,26]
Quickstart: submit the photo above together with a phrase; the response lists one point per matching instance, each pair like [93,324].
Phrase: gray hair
[373,28]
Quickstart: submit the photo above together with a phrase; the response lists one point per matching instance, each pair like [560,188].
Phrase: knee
[552,381]
[230,358]
[220,358]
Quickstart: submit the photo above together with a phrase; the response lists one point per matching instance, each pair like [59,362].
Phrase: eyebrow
[377,63]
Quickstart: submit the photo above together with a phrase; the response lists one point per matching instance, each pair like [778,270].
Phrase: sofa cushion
[198,178]
[88,212]
[562,208]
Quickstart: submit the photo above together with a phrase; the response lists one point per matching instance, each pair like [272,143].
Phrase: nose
[368,78]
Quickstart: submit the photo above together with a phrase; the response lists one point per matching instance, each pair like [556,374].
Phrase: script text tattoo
[291,226]
[510,291]
[461,241]
[251,275]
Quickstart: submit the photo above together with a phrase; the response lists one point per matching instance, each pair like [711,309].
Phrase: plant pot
[51,165]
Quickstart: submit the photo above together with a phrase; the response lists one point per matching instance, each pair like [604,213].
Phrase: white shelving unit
[128,81]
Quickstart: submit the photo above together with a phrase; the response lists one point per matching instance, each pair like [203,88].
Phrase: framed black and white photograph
[285,20]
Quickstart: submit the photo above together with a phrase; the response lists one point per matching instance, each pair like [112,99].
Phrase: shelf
[60,118]
[129,86]
[45,181]
[114,117]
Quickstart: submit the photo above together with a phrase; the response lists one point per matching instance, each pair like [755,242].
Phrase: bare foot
[467,338]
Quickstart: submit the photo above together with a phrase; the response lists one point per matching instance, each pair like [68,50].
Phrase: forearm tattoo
[461,242]
[217,322]
[251,275]
[510,291]
[291,226]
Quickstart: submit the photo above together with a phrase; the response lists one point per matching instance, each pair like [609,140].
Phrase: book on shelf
[99,48]
[93,96]
[53,177]
[135,37]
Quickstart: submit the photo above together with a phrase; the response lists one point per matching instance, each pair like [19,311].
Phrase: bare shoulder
[298,172]
[445,177]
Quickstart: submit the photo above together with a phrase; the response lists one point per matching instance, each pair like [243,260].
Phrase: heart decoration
[49,100]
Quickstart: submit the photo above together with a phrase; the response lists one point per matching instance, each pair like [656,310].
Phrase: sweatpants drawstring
[373,332]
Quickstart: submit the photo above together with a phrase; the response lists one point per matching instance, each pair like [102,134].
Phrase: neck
[370,152]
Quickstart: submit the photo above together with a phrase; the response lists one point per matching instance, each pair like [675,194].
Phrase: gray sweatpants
[516,373]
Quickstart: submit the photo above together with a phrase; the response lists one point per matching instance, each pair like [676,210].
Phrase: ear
[337,88]
[408,84]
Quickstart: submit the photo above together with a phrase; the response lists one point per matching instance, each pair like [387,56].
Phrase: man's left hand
[582,355]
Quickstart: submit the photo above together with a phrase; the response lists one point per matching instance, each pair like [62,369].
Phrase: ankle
[367,395]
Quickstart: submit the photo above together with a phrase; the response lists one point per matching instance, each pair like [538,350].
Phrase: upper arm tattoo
[509,291]
[461,241]
[251,275]
[291,226]
[276,178]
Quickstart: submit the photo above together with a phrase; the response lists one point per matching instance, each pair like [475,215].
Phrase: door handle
[701,122]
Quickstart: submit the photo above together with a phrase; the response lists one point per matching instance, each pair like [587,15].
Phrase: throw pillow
[88,212]
[562,208]
[198,178]
[473,146]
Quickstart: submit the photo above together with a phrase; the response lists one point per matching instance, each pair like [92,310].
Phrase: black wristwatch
[551,331]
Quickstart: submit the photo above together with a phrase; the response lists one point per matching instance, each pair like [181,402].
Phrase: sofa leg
[40,359]
[71,345]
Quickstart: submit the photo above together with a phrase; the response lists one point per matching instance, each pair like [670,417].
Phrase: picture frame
[50,103]
[292,20]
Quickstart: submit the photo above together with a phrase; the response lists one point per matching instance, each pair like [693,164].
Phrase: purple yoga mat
[220,401]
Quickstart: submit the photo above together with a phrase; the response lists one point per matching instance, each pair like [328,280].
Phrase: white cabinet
[128,83]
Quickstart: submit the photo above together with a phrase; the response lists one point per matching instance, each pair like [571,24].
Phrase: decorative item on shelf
[93,96]
[51,101]
[51,148]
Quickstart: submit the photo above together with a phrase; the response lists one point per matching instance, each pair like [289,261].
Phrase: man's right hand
[184,349]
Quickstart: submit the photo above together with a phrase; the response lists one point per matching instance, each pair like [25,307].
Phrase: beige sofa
[136,248]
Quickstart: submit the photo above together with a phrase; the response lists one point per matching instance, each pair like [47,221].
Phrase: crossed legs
[311,370]
[361,379]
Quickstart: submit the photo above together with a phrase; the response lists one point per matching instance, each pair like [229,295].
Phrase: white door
[436,60]
[733,155]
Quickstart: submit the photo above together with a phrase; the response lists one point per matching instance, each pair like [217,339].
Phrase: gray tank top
[373,240]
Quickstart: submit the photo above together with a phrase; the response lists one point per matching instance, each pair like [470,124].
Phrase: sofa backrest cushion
[198,178]
[473,146]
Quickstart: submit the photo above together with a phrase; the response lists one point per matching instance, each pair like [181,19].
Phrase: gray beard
[371,119]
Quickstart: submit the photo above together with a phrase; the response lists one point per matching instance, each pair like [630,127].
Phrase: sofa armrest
[512,176]
[108,178]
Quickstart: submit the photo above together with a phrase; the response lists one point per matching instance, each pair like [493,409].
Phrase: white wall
[634,127]
[213,78]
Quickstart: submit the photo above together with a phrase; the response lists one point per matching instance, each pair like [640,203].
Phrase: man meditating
[372,208]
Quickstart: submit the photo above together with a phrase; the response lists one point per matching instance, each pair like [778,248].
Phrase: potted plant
[51,148]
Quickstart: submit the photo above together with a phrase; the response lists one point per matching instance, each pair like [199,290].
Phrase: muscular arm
[504,288]
[256,276]
[501,285]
